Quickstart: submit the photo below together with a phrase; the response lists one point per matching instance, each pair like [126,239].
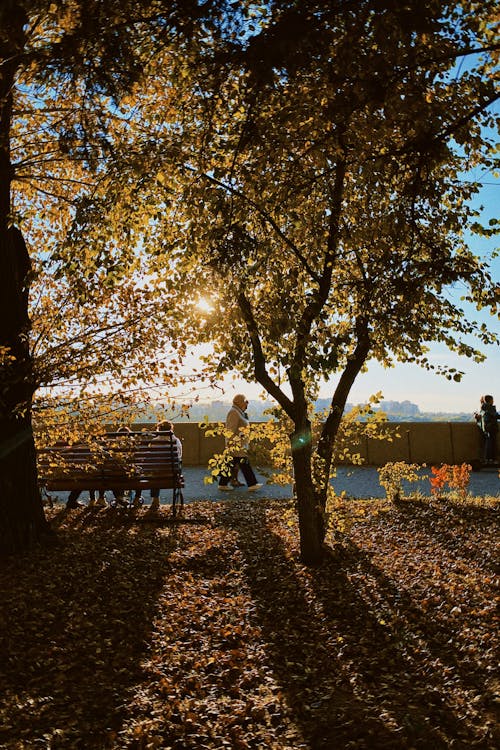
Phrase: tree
[64,67]
[17,456]
[307,176]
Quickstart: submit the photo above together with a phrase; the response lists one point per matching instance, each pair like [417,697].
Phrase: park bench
[115,461]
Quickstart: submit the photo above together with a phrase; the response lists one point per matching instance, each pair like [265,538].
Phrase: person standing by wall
[236,421]
[487,419]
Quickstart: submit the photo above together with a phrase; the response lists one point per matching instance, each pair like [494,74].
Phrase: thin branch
[48,193]
[267,218]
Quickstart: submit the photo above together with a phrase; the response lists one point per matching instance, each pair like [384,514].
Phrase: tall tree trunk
[312,492]
[22,520]
[310,516]
[331,425]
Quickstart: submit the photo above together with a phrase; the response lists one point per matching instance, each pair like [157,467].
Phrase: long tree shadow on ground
[457,527]
[352,651]
[408,663]
[138,632]
[72,639]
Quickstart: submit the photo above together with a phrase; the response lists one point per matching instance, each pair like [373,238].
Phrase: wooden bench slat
[113,483]
[115,462]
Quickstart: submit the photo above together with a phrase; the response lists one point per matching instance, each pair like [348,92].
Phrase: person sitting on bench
[118,494]
[165,434]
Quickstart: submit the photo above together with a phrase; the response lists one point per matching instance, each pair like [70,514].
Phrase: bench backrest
[114,457]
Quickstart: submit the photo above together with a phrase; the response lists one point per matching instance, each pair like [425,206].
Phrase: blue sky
[409,382]
[432,392]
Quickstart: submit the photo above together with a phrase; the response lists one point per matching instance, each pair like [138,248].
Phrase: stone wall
[413,442]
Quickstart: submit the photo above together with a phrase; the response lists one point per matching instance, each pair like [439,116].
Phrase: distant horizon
[227,400]
[430,392]
[405,382]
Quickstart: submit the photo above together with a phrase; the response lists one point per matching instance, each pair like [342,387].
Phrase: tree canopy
[304,171]
[64,67]
[92,312]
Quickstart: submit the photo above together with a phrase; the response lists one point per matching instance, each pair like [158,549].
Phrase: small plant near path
[457,478]
[392,475]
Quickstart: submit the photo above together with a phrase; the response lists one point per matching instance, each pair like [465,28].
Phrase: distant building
[404,408]
[216,411]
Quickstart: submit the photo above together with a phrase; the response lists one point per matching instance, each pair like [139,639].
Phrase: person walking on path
[487,419]
[237,420]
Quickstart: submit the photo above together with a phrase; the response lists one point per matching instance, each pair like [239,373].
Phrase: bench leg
[177,497]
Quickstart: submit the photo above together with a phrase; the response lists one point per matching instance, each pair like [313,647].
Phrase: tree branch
[260,369]
[341,393]
[267,218]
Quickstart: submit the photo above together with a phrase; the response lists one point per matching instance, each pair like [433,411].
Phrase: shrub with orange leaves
[457,478]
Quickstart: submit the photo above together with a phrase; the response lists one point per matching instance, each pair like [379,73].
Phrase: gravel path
[357,482]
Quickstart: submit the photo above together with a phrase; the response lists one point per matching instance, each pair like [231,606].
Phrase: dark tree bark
[311,518]
[312,491]
[101,50]
[22,520]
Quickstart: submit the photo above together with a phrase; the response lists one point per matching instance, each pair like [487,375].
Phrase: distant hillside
[215,411]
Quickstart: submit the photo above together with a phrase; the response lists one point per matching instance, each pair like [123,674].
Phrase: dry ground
[209,633]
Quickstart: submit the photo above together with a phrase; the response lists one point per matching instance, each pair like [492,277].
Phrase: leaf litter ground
[130,632]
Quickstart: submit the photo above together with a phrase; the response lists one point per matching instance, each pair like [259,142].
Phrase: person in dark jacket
[487,419]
